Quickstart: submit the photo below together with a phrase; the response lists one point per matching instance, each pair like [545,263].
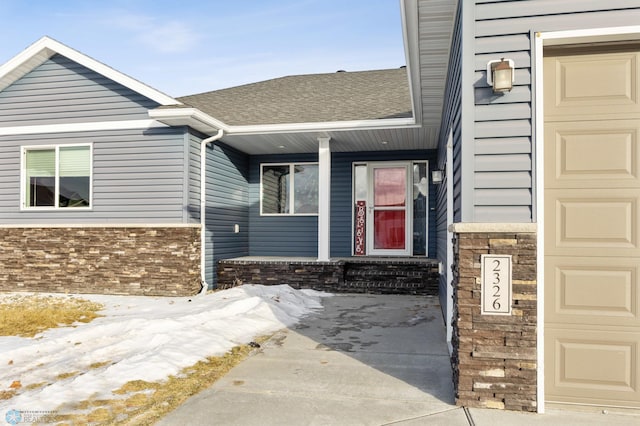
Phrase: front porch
[389,275]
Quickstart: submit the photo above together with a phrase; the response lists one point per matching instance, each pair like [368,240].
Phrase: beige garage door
[592,226]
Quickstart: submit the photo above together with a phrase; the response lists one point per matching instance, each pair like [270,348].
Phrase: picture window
[289,189]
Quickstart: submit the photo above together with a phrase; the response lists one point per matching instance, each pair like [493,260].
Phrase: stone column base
[495,357]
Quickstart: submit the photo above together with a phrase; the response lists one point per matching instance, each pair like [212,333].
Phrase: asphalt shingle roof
[340,96]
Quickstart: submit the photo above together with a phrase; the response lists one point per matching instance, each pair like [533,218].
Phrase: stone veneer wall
[145,260]
[296,273]
[394,276]
[495,357]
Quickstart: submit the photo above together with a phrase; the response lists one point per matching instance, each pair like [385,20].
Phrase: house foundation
[132,260]
[494,357]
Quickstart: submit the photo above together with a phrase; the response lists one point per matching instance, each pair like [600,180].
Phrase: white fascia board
[80,127]
[261,129]
[205,123]
[46,47]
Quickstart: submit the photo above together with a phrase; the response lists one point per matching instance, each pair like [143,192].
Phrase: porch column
[324,197]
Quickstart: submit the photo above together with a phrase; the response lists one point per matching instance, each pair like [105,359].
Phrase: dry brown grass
[136,402]
[7,394]
[97,365]
[144,403]
[27,315]
[68,375]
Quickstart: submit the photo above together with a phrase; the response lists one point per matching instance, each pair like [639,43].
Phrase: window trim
[24,205]
[291,166]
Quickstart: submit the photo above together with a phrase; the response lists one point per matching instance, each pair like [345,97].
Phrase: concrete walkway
[364,360]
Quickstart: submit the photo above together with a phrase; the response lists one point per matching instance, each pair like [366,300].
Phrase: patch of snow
[142,338]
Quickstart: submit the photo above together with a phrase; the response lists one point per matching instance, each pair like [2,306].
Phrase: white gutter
[203,205]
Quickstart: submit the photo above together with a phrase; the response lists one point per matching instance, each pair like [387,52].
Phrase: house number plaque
[496,284]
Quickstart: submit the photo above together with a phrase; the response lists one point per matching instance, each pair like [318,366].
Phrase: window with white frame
[56,176]
[289,189]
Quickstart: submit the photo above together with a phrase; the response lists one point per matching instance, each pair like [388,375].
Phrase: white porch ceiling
[341,141]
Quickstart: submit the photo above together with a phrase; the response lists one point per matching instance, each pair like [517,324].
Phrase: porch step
[356,272]
[418,277]
[387,287]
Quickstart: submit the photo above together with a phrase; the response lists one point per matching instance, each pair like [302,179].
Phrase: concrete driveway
[364,360]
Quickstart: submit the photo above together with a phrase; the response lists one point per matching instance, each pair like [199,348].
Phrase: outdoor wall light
[501,75]
[436,176]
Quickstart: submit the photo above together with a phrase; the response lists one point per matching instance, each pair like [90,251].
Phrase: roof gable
[62,91]
[43,49]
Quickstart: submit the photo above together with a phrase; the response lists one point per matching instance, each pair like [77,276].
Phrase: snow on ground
[142,338]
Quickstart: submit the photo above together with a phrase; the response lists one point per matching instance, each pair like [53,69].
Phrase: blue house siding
[227,206]
[274,235]
[62,91]
[503,151]
[137,177]
[227,201]
[451,125]
[342,201]
[193,177]
[452,114]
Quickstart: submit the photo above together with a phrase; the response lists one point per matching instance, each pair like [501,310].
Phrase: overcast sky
[184,47]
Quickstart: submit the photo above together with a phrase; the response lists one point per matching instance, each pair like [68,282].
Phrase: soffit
[403,138]
[435,28]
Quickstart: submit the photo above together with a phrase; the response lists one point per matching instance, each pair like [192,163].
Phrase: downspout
[203,205]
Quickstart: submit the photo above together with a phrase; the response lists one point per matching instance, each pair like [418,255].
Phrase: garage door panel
[593,363]
[594,222]
[586,86]
[598,154]
[592,225]
[592,291]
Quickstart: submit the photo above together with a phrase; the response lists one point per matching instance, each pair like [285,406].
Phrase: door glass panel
[360,182]
[389,229]
[360,210]
[390,186]
[420,193]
